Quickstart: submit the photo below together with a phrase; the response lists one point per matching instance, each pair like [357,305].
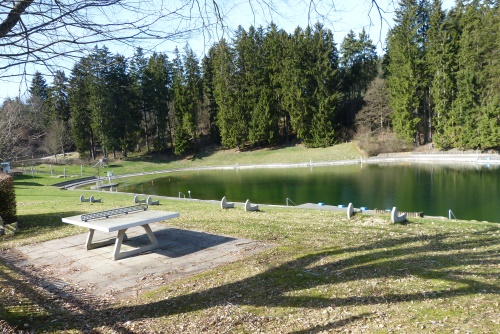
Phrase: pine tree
[256,96]
[407,78]
[444,35]
[358,65]
[310,85]
[326,96]
[468,86]
[232,124]
[124,120]
[99,98]
[38,86]
[78,99]
[489,75]
[157,97]
[273,48]
[38,114]
[138,66]
[57,98]
[187,87]
[209,107]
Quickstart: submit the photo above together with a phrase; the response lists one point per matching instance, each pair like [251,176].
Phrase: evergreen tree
[38,86]
[358,65]
[256,96]
[310,85]
[407,77]
[57,98]
[209,107]
[78,99]
[488,119]
[157,97]
[187,87]
[466,104]
[124,120]
[100,99]
[231,122]
[273,49]
[326,94]
[38,114]
[138,66]
[443,34]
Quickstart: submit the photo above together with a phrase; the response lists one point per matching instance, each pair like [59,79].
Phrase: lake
[470,192]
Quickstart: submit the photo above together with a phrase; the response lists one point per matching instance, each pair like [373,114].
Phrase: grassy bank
[324,273]
[137,164]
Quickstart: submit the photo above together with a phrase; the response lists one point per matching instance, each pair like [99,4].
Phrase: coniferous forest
[438,82]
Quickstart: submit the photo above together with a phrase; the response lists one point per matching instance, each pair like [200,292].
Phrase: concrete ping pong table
[120,220]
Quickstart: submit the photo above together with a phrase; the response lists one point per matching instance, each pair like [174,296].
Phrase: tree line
[439,83]
[443,73]
[263,88]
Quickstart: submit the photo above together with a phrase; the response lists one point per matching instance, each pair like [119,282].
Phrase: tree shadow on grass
[427,257]
[393,258]
[26,181]
[44,220]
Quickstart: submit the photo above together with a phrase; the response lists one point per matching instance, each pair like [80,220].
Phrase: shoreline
[451,159]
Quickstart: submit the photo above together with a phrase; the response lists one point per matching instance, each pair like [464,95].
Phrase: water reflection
[471,192]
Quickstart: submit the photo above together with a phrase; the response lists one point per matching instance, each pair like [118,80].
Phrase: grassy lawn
[324,273]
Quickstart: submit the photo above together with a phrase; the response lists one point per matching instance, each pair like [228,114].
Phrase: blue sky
[343,16]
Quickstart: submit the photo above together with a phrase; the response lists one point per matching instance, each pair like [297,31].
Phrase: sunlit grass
[323,273]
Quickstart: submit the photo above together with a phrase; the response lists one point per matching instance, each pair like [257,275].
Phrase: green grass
[323,274]
[133,164]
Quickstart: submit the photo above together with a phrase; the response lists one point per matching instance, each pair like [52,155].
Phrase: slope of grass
[325,273]
[137,164]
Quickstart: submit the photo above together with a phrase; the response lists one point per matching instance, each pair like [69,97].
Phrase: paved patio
[65,265]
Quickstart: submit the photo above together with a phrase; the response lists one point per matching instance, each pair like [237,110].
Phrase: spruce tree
[274,53]
[138,66]
[57,98]
[444,35]
[405,53]
[157,97]
[78,99]
[209,107]
[232,123]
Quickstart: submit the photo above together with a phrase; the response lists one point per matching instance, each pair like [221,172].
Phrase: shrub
[385,141]
[7,199]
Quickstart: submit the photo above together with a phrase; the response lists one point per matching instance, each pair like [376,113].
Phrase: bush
[385,141]
[7,199]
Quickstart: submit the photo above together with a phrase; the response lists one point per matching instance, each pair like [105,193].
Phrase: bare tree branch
[37,31]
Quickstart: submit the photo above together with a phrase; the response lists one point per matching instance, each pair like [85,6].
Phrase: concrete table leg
[92,245]
[117,255]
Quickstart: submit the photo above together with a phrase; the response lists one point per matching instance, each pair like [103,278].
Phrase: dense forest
[438,82]
[444,73]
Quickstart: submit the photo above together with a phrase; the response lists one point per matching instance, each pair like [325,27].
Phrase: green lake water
[470,192]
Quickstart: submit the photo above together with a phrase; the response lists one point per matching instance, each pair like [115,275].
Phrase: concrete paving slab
[181,253]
